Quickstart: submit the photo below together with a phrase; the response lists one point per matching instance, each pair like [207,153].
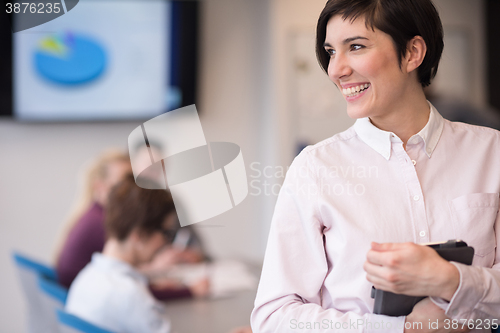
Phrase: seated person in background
[110,292]
[86,233]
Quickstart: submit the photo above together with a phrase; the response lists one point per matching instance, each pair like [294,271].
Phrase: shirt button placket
[417,197]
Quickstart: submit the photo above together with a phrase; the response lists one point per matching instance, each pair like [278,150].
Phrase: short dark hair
[400,19]
[131,207]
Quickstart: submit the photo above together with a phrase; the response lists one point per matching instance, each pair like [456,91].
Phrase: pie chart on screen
[70,59]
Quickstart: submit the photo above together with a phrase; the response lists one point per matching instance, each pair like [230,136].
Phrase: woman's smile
[353,92]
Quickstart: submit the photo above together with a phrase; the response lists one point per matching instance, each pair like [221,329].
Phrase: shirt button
[414,162]
[416,198]
[422,233]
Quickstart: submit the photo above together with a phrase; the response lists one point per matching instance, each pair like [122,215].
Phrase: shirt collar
[381,141]
[117,266]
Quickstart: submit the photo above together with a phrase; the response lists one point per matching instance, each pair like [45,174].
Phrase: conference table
[211,315]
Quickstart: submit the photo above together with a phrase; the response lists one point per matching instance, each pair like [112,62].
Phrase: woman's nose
[339,67]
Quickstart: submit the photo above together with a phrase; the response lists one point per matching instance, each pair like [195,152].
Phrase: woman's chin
[356,112]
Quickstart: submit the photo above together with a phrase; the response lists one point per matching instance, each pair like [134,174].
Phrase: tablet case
[390,304]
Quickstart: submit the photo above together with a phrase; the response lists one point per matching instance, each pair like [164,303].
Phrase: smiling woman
[436,180]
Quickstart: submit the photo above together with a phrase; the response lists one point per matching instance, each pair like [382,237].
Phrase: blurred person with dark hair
[110,291]
[187,246]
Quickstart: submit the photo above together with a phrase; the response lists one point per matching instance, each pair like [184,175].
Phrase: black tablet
[390,304]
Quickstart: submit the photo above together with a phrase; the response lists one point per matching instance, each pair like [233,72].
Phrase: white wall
[234,104]
[245,98]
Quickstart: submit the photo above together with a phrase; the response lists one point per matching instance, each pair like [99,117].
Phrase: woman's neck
[408,118]
[119,250]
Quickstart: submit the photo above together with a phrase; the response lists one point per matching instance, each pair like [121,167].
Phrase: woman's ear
[415,53]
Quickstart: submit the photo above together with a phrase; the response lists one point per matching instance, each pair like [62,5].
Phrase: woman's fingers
[410,269]
[384,278]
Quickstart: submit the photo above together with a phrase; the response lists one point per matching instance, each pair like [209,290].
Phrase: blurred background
[250,67]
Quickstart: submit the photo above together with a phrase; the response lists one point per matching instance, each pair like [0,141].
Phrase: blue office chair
[52,297]
[69,323]
[29,271]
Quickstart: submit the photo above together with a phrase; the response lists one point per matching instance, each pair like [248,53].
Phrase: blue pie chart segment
[70,59]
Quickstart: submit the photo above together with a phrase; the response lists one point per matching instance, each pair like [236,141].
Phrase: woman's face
[364,65]
[115,170]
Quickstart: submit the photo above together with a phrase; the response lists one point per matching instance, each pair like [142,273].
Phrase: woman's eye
[355,47]
[330,52]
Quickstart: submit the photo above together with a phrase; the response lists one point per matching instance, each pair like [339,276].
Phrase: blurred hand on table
[199,289]
[168,257]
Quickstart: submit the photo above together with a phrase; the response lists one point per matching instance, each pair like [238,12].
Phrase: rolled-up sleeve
[478,294]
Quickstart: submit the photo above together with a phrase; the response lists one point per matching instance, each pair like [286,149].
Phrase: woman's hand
[411,269]
[200,288]
[161,262]
[165,283]
[189,256]
[426,312]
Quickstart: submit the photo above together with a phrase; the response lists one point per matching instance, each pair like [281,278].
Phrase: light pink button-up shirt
[361,186]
